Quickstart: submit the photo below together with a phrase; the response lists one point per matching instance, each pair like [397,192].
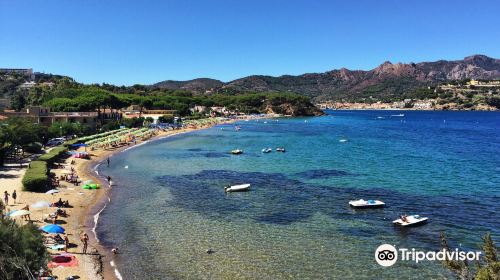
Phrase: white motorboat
[343,140]
[237,152]
[280,150]
[398,115]
[412,220]
[267,150]
[361,203]
[237,188]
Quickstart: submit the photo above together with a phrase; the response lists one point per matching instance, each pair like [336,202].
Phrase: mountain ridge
[387,79]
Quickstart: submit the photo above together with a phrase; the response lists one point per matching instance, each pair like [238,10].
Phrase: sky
[142,42]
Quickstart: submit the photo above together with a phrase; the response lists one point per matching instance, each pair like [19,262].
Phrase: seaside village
[54,187]
[455,91]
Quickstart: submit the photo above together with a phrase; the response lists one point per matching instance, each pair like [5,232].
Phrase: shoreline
[89,218]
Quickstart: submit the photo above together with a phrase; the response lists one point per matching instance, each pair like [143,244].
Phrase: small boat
[237,188]
[267,150]
[237,128]
[361,203]
[237,152]
[280,150]
[398,115]
[412,220]
[343,140]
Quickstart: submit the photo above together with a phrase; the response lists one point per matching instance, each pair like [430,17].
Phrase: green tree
[166,119]
[132,122]
[18,101]
[21,251]
[488,268]
[145,103]
[58,129]
[23,132]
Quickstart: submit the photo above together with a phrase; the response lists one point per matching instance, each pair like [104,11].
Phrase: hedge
[53,155]
[36,177]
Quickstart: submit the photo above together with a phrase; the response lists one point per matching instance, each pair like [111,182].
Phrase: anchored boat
[237,152]
[361,203]
[237,188]
[412,220]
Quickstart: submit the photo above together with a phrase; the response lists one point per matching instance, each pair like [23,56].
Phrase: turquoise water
[168,207]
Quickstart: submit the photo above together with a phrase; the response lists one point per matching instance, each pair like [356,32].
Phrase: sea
[171,219]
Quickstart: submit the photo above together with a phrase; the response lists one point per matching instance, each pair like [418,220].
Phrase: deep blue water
[169,207]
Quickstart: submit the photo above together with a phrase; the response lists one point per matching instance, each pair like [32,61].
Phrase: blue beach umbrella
[79,145]
[53,229]
[11,212]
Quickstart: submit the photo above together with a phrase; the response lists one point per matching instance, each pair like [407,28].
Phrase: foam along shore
[85,205]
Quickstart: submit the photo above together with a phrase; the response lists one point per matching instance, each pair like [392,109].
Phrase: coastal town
[467,95]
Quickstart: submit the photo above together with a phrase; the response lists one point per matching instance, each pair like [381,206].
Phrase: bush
[36,178]
[53,155]
[494,101]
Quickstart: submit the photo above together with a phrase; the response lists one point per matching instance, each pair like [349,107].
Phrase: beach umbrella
[19,213]
[41,204]
[79,145]
[53,229]
[53,191]
[8,214]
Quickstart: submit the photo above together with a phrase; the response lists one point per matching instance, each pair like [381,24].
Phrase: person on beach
[14,196]
[85,239]
[114,251]
[109,180]
[6,198]
[66,243]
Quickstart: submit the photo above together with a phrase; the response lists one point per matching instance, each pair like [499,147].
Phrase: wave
[96,219]
[117,273]
[96,170]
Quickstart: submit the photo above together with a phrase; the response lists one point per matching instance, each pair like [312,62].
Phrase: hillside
[386,82]
[200,85]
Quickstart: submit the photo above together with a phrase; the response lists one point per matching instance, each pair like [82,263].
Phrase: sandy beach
[86,204]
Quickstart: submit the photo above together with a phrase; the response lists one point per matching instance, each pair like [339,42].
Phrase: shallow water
[168,207]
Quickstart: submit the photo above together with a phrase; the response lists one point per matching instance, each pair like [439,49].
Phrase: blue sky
[128,42]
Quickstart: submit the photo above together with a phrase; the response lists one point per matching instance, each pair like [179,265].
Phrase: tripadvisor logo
[387,255]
